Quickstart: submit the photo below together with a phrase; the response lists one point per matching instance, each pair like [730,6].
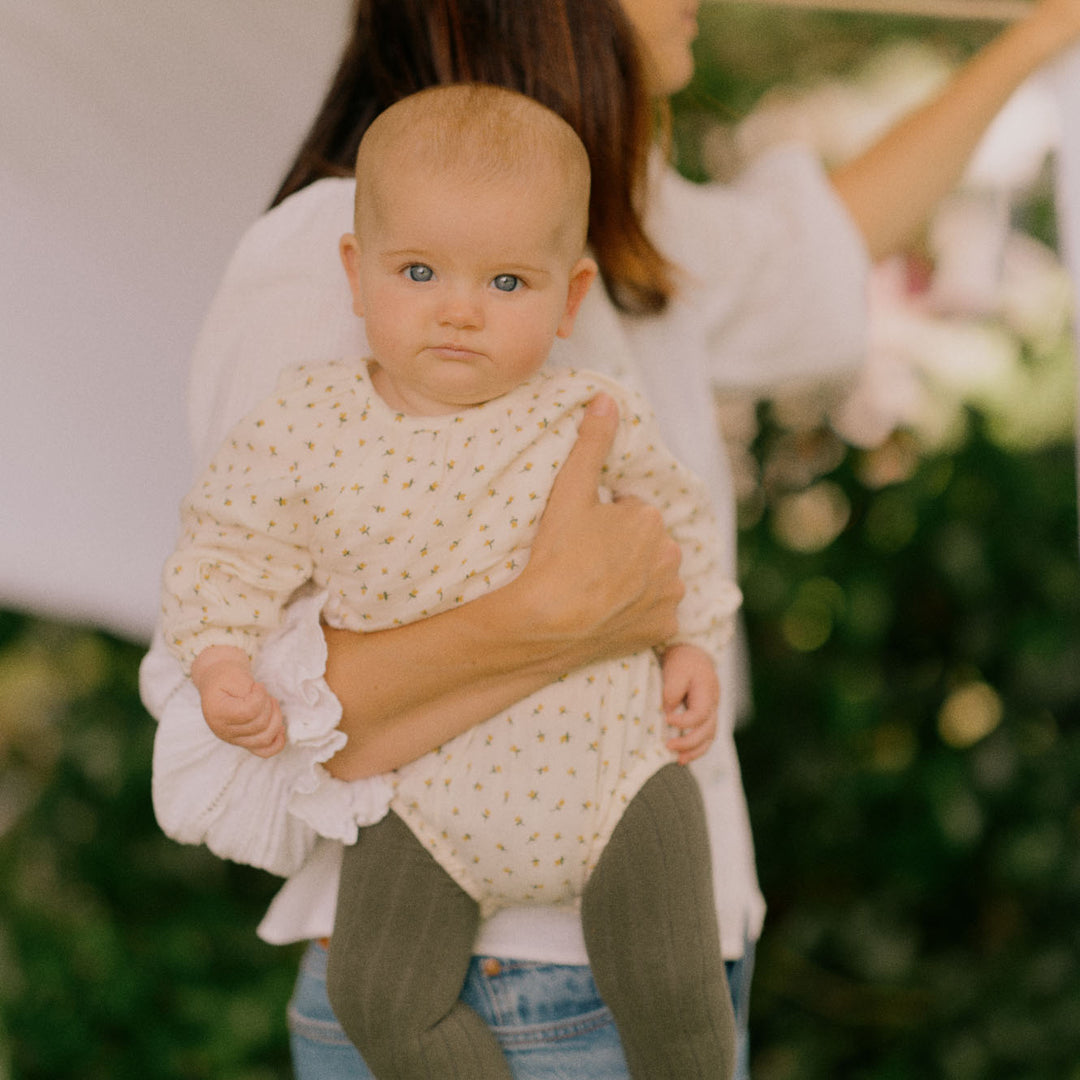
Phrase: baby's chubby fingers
[266,735]
[242,706]
[246,716]
[699,703]
[696,721]
[237,709]
[691,696]
[256,722]
[676,688]
[694,741]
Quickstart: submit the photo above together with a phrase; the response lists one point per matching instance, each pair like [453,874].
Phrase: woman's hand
[602,578]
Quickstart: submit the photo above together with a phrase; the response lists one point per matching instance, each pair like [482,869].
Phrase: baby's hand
[237,709]
[690,699]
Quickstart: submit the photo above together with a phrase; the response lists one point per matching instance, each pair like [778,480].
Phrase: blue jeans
[548,1017]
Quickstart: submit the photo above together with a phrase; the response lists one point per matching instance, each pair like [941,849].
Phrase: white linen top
[773,291]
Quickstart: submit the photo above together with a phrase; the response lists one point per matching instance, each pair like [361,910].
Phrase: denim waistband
[516,995]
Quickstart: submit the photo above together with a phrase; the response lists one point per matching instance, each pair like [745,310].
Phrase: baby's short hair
[476,132]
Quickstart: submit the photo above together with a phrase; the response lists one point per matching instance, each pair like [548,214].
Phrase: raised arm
[601,581]
[891,189]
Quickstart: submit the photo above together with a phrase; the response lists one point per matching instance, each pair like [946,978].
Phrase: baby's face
[463,286]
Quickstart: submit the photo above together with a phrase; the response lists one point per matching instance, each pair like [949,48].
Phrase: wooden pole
[988,10]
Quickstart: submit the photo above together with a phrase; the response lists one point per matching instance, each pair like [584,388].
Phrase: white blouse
[772,291]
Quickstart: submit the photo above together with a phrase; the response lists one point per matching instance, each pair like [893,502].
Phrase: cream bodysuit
[399,517]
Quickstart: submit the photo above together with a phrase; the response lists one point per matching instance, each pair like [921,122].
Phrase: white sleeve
[267,812]
[284,300]
[775,271]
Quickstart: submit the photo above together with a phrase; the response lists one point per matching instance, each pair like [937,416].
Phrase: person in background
[751,284]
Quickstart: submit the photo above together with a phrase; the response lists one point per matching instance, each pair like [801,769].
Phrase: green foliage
[912,760]
[911,770]
[744,50]
[122,954]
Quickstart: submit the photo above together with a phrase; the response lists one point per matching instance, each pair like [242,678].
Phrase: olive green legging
[404,933]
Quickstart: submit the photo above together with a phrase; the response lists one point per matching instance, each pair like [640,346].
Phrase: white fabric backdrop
[138,138]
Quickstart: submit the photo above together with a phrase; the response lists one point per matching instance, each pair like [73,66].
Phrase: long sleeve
[246,536]
[641,465]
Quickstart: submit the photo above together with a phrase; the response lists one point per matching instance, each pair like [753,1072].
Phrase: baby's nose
[462,308]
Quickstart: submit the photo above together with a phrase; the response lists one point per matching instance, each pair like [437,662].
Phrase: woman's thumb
[579,477]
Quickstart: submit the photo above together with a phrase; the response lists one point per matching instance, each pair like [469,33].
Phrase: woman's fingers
[578,483]
[602,577]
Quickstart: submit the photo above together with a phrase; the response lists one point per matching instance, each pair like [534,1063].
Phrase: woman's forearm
[407,690]
[892,188]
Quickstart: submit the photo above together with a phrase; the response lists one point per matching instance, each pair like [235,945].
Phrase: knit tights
[404,933]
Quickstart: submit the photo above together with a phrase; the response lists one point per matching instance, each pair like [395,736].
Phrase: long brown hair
[578,57]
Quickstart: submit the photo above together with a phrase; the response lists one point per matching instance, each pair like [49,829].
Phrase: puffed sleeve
[266,812]
[774,272]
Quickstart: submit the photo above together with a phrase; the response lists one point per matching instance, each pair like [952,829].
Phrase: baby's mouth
[452,351]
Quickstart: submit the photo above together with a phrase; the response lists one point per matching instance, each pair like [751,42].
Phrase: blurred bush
[913,609]
[912,772]
[122,954]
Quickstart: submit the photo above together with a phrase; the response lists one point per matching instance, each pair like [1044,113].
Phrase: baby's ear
[349,250]
[581,277]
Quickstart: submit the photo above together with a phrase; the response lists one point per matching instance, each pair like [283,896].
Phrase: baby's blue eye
[506,282]
[419,272]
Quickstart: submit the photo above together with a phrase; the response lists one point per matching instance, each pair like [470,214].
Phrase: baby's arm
[691,697]
[237,709]
[244,550]
[641,465]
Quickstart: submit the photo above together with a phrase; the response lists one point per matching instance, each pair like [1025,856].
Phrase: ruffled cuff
[292,666]
[267,812]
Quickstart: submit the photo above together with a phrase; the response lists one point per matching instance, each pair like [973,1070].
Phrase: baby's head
[467,257]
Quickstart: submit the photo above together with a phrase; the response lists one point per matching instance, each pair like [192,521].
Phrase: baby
[412,481]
